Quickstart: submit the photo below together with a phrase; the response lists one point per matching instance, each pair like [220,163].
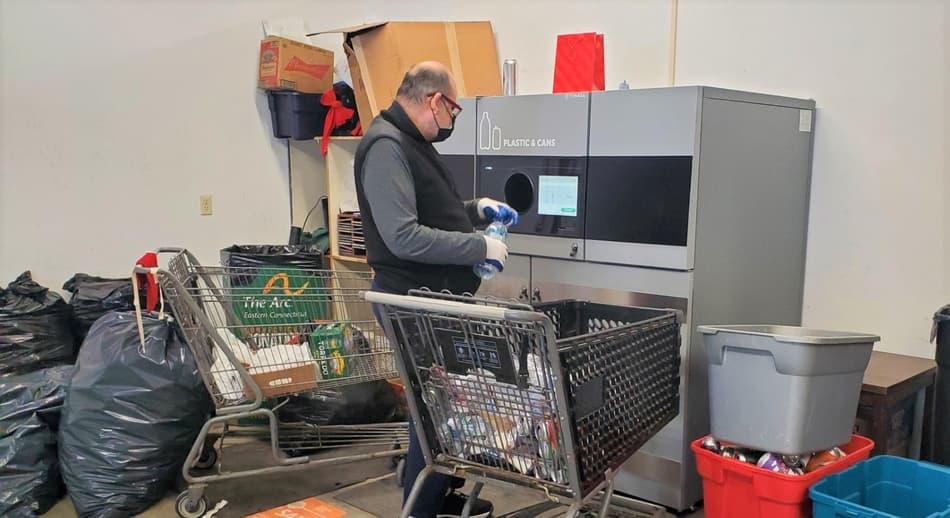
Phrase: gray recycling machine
[693,198]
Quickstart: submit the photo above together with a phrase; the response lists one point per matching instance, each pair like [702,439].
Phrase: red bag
[579,63]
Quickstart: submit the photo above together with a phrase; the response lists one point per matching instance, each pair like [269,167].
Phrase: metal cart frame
[462,361]
[202,301]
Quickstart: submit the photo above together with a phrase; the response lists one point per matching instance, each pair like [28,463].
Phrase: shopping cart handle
[452,307]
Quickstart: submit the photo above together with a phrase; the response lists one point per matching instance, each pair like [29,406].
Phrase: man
[419,233]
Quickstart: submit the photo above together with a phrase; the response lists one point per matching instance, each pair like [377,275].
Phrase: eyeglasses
[454,108]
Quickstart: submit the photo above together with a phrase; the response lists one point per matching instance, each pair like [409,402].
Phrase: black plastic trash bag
[940,334]
[30,406]
[316,408]
[34,328]
[131,415]
[343,93]
[93,297]
[363,403]
[369,402]
[254,256]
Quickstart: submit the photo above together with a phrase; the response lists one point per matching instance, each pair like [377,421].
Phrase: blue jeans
[429,502]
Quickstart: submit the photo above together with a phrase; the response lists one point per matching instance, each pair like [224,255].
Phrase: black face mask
[443,133]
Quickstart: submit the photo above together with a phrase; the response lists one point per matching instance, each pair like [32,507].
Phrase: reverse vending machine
[693,198]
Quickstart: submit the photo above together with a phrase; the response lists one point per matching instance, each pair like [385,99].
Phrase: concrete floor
[363,489]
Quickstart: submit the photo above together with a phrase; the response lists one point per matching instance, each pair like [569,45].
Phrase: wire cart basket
[262,334]
[555,397]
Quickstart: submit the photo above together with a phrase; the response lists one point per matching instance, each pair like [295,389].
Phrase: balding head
[427,94]
[425,79]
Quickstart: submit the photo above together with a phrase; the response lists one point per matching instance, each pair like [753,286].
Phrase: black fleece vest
[438,205]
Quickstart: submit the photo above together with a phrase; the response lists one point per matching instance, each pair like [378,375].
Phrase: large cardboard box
[290,65]
[379,54]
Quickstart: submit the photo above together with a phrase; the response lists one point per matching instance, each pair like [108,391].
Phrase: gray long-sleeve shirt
[390,191]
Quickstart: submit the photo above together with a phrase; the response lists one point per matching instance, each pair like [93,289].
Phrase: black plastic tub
[296,115]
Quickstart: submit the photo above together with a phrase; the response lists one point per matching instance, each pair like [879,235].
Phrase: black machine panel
[547,192]
[639,199]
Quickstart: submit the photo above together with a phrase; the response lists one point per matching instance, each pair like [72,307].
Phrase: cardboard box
[290,65]
[379,54]
[285,381]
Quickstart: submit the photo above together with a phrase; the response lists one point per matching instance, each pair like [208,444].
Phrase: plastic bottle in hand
[497,230]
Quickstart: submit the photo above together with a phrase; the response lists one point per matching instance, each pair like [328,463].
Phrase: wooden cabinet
[896,405]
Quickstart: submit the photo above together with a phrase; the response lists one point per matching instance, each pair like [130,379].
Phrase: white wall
[114,117]
[877,257]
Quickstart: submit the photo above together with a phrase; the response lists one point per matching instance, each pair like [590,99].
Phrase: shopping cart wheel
[208,458]
[396,459]
[401,472]
[188,508]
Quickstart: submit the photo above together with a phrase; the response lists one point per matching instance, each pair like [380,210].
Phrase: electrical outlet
[206,207]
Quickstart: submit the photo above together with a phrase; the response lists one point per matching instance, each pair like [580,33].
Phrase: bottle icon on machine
[489,136]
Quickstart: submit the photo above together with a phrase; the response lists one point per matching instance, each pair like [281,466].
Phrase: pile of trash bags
[113,430]
[132,411]
[35,330]
[93,297]
[30,406]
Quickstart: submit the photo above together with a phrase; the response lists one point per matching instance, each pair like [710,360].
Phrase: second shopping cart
[263,335]
[555,397]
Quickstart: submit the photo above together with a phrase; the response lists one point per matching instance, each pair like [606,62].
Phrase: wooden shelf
[348,259]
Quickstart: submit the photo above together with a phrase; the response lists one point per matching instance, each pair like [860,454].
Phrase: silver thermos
[509,77]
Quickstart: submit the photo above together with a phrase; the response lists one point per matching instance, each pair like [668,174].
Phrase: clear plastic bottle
[497,230]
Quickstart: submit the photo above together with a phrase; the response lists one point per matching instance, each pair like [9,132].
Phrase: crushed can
[710,443]
[773,463]
[823,458]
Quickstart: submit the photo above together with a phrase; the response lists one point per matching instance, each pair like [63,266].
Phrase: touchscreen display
[557,196]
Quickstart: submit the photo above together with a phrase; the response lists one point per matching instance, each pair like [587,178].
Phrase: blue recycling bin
[884,487]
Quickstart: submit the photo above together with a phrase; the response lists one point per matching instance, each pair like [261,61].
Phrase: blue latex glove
[494,210]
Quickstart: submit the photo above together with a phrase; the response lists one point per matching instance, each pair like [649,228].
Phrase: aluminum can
[773,463]
[509,77]
[710,443]
[822,458]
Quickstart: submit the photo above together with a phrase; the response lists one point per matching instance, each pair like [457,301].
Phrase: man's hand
[496,252]
[494,210]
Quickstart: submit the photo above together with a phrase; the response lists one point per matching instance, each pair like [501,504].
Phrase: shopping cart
[261,335]
[555,397]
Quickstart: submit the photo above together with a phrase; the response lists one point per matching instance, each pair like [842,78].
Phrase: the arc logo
[284,281]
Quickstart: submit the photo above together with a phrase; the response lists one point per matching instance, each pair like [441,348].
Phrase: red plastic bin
[734,489]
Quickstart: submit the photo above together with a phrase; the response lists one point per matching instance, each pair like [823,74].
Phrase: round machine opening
[519,192]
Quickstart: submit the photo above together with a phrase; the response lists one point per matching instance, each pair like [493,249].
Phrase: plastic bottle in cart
[497,230]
